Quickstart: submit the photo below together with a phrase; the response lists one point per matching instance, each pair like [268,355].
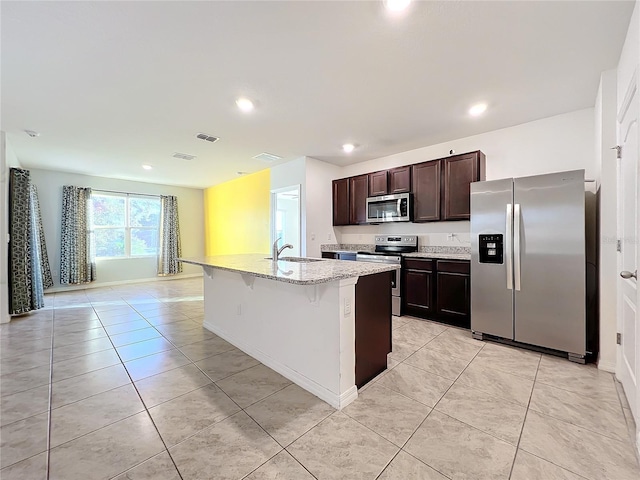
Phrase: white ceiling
[113,85]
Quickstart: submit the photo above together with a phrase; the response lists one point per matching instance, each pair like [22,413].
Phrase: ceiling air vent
[208,138]
[267,157]
[183,156]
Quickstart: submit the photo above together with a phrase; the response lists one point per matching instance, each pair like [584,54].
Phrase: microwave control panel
[491,248]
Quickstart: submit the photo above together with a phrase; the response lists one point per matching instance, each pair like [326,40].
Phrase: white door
[628,364]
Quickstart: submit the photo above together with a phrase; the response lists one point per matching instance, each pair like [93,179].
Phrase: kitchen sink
[297,259]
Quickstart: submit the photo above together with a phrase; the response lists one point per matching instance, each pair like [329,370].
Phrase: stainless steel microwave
[389,208]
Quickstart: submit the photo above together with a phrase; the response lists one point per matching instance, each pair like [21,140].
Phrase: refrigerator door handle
[516,246]
[509,255]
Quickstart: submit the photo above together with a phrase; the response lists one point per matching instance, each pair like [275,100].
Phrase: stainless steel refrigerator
[528,261]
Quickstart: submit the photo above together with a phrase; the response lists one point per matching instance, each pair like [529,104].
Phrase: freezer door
[491,277]
[549,261]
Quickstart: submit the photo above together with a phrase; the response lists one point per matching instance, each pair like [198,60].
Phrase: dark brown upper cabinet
[458,173]
[399,180]
[426,191]
[358,193]
[341,201]
[378,183]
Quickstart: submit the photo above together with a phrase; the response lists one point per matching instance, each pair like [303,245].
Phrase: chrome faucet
[275,251]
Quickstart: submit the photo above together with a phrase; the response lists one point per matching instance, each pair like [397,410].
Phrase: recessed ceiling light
[478,109]
[396,5]
[244,104]
[147,167]
[242,173]
[348,147]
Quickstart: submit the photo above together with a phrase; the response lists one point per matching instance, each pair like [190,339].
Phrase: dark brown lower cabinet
[373,326]
[439,290]
[418,286]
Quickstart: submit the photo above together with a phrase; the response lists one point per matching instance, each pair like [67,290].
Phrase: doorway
[286,219]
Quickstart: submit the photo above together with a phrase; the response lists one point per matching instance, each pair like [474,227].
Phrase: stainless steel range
[389,249]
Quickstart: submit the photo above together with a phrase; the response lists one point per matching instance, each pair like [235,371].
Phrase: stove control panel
[397,240]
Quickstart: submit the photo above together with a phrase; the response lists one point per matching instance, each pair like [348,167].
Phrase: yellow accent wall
[237,215]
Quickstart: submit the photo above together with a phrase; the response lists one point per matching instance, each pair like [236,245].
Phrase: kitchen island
[323,324]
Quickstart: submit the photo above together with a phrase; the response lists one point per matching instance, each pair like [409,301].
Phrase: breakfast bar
[323,324]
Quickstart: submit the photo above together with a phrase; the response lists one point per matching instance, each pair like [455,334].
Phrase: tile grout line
[147,412]
[401,448]
[524,421]
[49,412]
[434,408]
[523,424]
[241,409]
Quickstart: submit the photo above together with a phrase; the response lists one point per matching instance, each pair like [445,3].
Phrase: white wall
[190,211]
[605,136]
[629,57]
[288,175]
[319,228]
[563,142]
[314,177]
[8,159]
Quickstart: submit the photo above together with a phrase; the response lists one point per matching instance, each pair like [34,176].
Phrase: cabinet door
[358,192]
[426,191]
[459,172]
[378,183]
[341,202]
[418,286]
[400,180]
[453,294]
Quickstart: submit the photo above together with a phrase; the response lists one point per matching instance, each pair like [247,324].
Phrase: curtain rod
[125,193]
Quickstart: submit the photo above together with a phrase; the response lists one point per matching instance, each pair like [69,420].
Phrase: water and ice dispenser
[491,248]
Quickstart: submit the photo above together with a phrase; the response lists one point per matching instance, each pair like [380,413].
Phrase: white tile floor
[125,383]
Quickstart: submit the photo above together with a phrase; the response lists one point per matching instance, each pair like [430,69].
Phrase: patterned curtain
[29,272]
[77,264]
[40,270]
[169,237]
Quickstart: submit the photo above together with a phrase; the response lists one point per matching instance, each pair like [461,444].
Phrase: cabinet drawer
[454,267]
[425,264]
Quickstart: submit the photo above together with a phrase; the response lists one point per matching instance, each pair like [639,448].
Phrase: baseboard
[333,399]
[121,282]
[607,367]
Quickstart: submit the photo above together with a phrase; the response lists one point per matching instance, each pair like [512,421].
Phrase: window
[125,225]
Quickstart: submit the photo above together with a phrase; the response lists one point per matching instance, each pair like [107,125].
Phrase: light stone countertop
[439,256]
[300,273]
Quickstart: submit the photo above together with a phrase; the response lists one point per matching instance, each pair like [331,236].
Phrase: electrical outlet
[328,236]
[347,306]
[313,236]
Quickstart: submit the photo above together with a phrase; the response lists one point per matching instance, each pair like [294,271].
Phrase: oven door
[395,291]
[395,282]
